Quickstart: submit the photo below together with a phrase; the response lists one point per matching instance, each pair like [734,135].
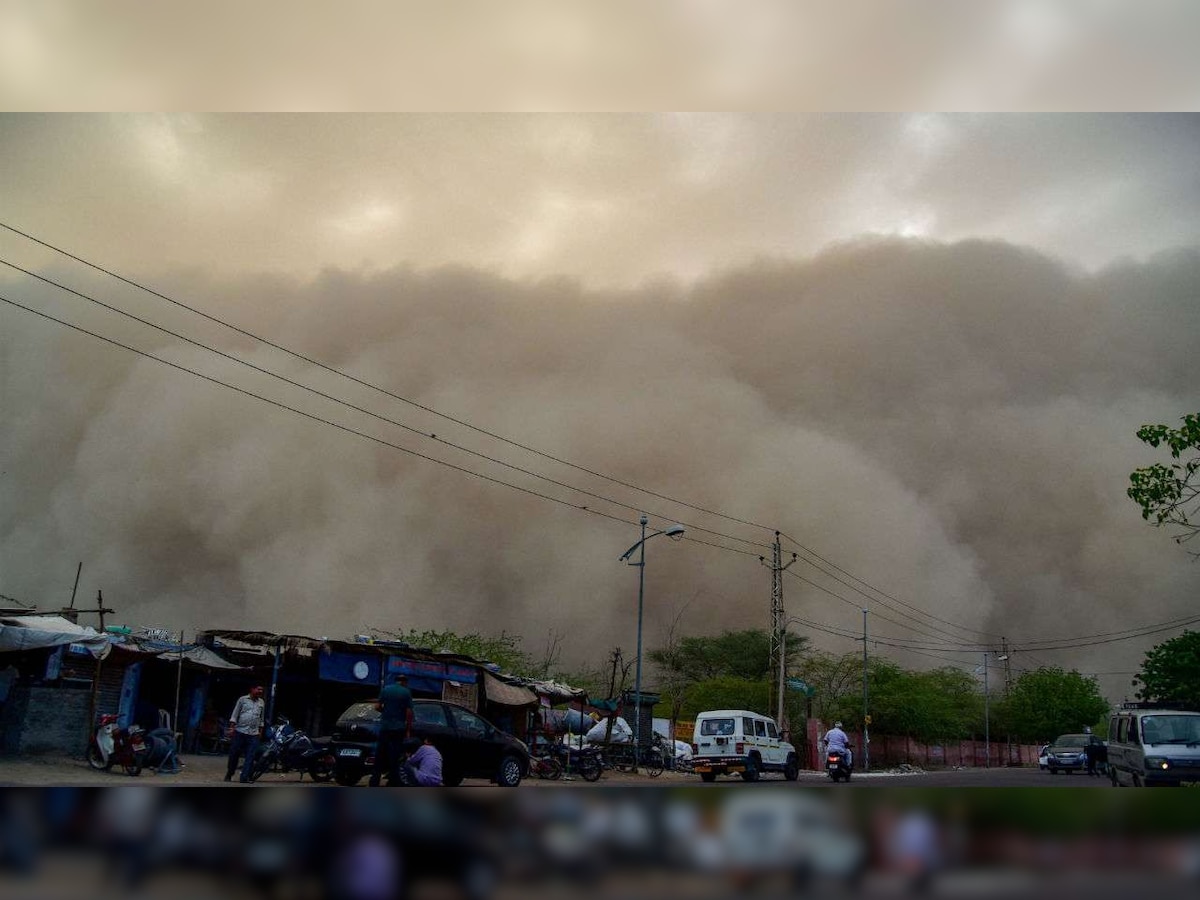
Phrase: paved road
[208,770]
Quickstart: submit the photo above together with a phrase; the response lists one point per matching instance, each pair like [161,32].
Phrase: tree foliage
[1047,702]
[503,649]
[726,671]
[727,692]
[1170,495]
[735,654]
[1171,671]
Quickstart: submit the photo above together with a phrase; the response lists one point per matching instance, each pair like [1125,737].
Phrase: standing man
[245,728]
[395,726]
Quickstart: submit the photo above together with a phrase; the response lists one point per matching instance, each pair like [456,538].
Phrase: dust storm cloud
[952,422]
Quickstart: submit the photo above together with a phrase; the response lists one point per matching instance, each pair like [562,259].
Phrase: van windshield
[711,727]
[1171,729]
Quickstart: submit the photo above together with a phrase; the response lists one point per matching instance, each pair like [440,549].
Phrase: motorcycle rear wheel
[132,769]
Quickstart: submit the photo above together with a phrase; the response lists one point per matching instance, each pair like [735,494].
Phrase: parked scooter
[112,745]
[837,764]
[289,749]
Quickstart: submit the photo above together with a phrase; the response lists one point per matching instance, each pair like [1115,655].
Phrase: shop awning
[200,656]
[506,694]
[31,632]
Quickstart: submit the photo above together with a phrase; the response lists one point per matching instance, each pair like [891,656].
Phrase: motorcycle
[587,762]
[113,745]
[837,764]
[289,749]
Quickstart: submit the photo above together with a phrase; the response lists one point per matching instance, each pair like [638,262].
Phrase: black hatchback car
[471,746]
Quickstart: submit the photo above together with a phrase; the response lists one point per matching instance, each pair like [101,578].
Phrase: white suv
[728,741]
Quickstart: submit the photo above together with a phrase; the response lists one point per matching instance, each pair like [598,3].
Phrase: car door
[479,752]
[430,720]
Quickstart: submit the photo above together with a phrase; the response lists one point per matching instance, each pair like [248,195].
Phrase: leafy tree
[1171,671]
[1047,702]
[1170,495]
[837,684]
[738,654]
[727,692]
[503,649]
[938,705]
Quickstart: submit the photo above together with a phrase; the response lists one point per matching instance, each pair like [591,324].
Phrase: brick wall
[38,719]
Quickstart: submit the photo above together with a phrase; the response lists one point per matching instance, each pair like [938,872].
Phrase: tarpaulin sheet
[505,694]
[33,632]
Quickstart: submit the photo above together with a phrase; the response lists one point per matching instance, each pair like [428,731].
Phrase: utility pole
[101,609]
[1006,658]
[866,716]
[987,715]
[777,659]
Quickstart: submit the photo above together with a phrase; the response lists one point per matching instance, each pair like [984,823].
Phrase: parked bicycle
[626,757]
[546,766]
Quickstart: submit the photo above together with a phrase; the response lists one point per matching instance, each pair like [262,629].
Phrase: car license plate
[349,751]
[701,768]
[138,747]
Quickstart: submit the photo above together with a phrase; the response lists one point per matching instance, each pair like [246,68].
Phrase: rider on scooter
[836,739]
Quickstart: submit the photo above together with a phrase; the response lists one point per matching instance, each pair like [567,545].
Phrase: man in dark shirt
[395,725]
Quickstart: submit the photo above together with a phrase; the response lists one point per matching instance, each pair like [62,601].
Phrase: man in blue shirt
[424,766]
[395,725]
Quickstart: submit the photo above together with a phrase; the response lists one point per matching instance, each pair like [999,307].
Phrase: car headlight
[1157,762]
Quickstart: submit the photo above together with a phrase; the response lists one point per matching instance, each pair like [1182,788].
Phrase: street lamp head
[675,532]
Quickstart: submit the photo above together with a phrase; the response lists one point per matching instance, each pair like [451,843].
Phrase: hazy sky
[918,345]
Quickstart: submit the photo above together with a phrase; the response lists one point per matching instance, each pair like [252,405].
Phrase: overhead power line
[407,400]
[367,412]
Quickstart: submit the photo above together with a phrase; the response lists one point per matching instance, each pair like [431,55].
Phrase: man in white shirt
[245,729]
[836,739]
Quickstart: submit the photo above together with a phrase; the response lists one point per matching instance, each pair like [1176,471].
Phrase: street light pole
[637,678]
[675,532]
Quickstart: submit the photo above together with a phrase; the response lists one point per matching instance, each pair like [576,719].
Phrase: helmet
[837,724]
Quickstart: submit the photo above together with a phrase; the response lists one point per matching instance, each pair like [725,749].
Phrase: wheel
[552,769]
[708,777]
[590,769]
[654,765]
[751,773]
[132,769]
[321,769]
[347,779]
[509,773]
[791,769]
[836,776]
[96,760]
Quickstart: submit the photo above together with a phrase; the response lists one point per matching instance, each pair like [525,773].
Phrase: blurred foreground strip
[361,844]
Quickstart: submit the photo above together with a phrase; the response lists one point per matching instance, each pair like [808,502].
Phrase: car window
[359,712]
[760,728]
[430,714]
[771,732]
[470,724]
[1171,729]
[747,726]
[712,727]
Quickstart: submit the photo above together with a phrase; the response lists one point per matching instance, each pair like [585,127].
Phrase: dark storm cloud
[951,422]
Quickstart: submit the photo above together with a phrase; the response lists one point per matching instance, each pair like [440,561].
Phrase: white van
[1149,745]
[726,741]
